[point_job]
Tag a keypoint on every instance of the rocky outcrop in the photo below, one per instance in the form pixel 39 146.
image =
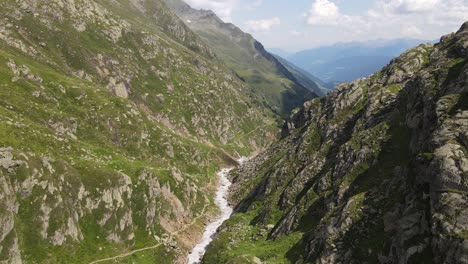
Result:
pixel 9 249
pixel 65 204
pixel 375 172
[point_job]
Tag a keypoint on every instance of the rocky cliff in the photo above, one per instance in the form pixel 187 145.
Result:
pixel 376 172
pixel 114 118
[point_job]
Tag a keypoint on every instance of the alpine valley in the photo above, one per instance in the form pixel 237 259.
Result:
pixel 124 122
pixel 375 172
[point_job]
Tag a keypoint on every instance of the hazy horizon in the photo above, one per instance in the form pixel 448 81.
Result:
pixel 355 42
pixel 304 24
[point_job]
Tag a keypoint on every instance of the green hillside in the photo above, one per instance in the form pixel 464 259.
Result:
pixel 114 118
pixel 267 77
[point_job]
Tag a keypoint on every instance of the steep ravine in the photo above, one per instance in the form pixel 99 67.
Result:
pixel 210 230
pixel 375 172
pixel 225 209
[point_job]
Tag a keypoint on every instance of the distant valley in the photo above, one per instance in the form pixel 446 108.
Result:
pixel 345 62
pixel 278 88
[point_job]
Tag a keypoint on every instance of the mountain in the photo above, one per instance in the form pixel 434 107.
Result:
pixel 375 172
pixel 280 52
pixel 305 78
pixel 345 62
pixel 114 118
pixel 262 72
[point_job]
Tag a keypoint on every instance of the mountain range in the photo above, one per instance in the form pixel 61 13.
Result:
pixel 346 62
pixel 278 87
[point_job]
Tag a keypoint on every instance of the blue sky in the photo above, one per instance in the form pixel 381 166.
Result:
pixel 299 24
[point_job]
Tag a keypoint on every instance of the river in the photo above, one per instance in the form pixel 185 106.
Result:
pixel 210 230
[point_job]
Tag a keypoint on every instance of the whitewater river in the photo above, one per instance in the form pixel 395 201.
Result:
pixel 210 230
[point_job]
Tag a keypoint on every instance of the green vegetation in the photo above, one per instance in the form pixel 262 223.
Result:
pixel 267 78
pixel 100 173
pixel 344 180
pixel 243 239
pixel 456 68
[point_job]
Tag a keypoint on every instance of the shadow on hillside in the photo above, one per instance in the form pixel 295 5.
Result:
pixel 380 183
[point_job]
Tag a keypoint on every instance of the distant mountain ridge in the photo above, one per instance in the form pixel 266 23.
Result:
pixel 269 79
pixel 280 52
pixel 304 77
pixel 345 62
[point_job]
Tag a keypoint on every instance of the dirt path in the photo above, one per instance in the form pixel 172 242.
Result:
pixel 154 246
pixel 200 248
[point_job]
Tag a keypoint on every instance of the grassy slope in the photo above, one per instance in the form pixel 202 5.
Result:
pixel 261 74
pixel 265 76
pixel 105 136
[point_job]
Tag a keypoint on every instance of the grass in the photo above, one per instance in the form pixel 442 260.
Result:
pixel 394 88
pixel 456 68
pixel 386 145
pixel 103 134
pixel 377 161
pixel 461 104
pixel 249 241
pixel 262 75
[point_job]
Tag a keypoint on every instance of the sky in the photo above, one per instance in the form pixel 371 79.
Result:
pixel 294 25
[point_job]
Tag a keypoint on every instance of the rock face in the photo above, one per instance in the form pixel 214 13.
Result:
pixel 114 118
pixel 266 76
pixel 376 172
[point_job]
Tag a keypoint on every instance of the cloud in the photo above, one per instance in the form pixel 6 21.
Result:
pixel 326 13
pixel 392 18
pixel 410 6
pixel 222 8
pixel 296 33
pixel 262 25
pixel 323 9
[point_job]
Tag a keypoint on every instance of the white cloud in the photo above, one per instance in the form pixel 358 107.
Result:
pixel 410 6
pixel 326 13
pixel 263 24
pixel 392 18
pixel 222 8
pixel 323 8
pixel 412 31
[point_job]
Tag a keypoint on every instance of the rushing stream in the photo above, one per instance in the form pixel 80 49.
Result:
pixel 210 230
